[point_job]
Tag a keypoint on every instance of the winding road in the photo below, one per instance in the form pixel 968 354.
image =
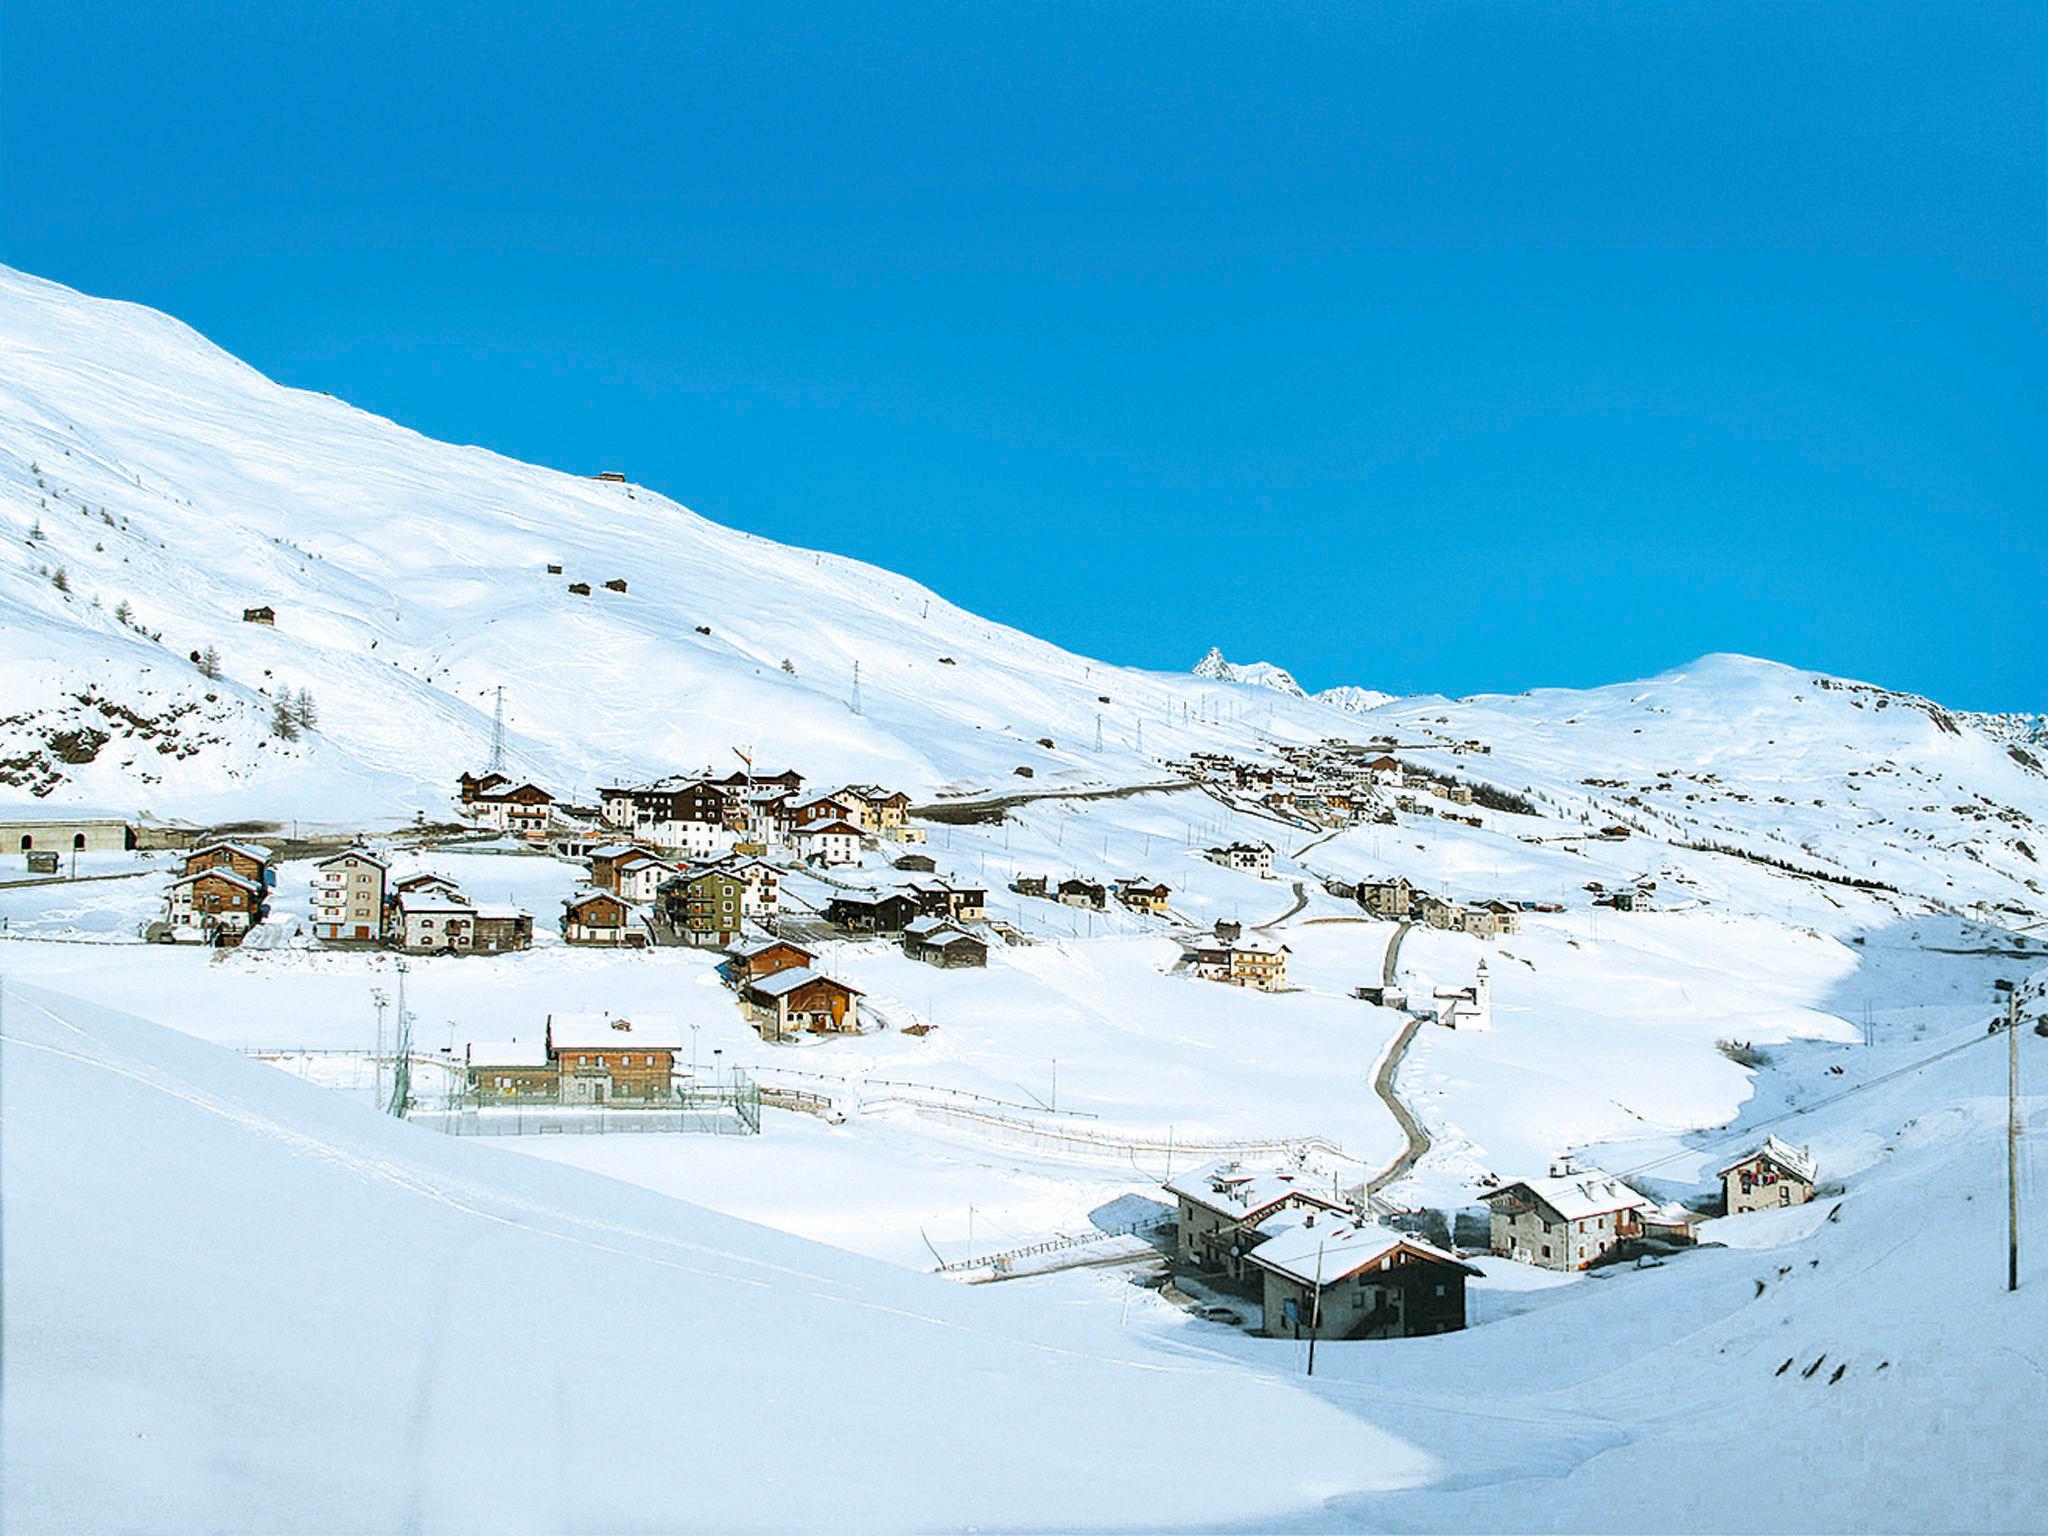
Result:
pixel 1417 1139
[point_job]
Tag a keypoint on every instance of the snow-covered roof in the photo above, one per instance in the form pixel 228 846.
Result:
pixel 507 1053
pixel 1577 1196
pixel 434 900
pixel 247 850
pixel 363 854
pixel 945 936
pixel 1796 1161
pixel 504 912
pixel 220 872
pixel 830 829
pixel 1335 1248
pixel 788 981
pixel 762 946
pixel 1239 1193
pixel 610 1032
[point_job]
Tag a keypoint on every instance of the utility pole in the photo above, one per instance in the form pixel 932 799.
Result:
pixel 498 733
pixel 1315 1314
pixel 401 1066
pixel 2012 1137
pixel 380 1002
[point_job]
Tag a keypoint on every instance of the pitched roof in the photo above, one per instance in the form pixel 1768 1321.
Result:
pixel 1797 1161
pixel 829 829
pixel 1331 1250
pixel 1239 1193
pixel 609 1032
pixel 250 850
pixel 788 981
pixel 220 872
pixel 355 853
pixel 450 900
pixel 762 946
pixel 1577 1196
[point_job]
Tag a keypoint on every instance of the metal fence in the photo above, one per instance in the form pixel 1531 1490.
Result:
pixel 732 1109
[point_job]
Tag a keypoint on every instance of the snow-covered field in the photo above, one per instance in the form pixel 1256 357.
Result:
pixel 238 1300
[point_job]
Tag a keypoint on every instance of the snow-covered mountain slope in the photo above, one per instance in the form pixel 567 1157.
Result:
pixel 175 487
pixel 1354 700
pixel 1843 780
pixel 379 1329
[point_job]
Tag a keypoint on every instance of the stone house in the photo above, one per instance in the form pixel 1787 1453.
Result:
pixel 1221 1203
pixel 1565 1221
pixel 430 919
pixel 1392 898
pixel 1775 1174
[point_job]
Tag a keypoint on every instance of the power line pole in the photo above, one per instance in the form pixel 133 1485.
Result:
pixel 401 1066
pixel 1315 1315
pixel 498 733
pixel 2012 1140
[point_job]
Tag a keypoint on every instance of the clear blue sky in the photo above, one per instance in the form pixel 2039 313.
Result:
pixel 1428 347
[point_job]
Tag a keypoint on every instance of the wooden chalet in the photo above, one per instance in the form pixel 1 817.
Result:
pixel 248 860
pixel 213 905
pixel 510 1072
pixel 871 911
pixel 602 1057
pixel 600 917
pixel 765 957
pixel 1143 896
pixel 935 941
pixel 471 786
pixel 524 809
pixel 804 1001
pixel 960 903
pixel 1333 1277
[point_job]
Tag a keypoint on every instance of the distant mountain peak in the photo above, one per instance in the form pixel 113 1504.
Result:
pixel 1263 674
pixel 1256 674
